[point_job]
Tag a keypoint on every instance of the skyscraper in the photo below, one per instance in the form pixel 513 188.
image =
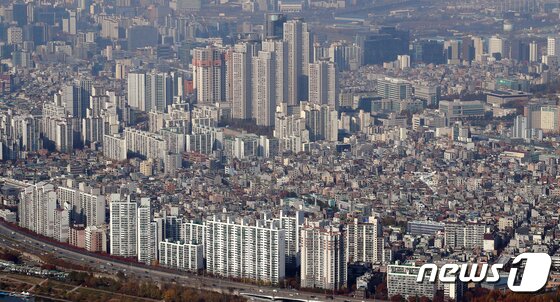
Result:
pixel 299 41
pixel 19 10
pixel 146 234
pixel 137 90
pixel 478 44
pixel 159 91
pixel 323 263
pixel 468 50
pixel 274 25
pixel 553 46
pixel 241 64
pixel 123 226
pixel 323 83
pixel 533 52
pixel 496 46
pixel 209 74
pixel 280 49
pixel 150 91
pixel 264 88
pixel 364 241
pixel 141 36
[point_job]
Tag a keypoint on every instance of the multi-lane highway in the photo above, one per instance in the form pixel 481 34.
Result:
pixel 15 239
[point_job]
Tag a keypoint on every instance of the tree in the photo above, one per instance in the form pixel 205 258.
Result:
pixel 397 298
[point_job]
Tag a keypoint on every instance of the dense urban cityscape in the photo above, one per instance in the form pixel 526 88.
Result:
pixel 276 150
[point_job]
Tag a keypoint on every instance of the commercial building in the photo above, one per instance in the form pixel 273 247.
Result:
pixel 458 109
pixel 424 227
pixel 394 89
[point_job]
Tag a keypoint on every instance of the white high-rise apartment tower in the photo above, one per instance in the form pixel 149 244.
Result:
pixel 323 84
pixel 364 241
pixel 137 90
pixel 242 79
pixel 123 226
pixel 209 74
pixel 240 250
pixel 280 49
pixel 323 263
pixel 299 56
pixel 37 211
pixel 264 88
pixel 146 234
pixel 553 46
pixel 533 52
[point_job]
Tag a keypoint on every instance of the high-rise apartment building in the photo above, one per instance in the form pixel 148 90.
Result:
pixel 323 83
pixel 323 261
pixel 123 226
pixel 290 130
pixel 240 250
pixel 364 241
pixel 280 50
pixel 292 224
pixel 182 256
pixel 464 235
pixel 321 121
pixel 150 91
pixel 209 74
pixel 147 241
pixel 87 205
pixel 136 82
pixel 299 42
pixel 533 52
pixel 40 212
pixel 145 143
pixel 553 46
pixel 264 88
pixel 242 79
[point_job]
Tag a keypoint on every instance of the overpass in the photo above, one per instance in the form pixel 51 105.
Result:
pixel 264 297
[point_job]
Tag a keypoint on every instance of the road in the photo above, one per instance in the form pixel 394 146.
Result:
pixel 15 239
